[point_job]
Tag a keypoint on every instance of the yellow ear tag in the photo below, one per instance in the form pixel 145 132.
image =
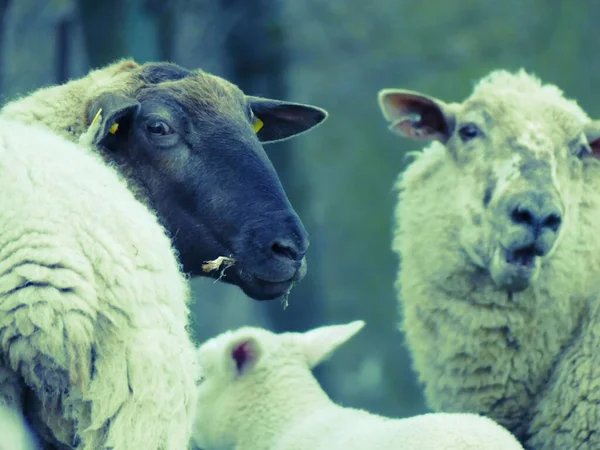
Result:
pixel 257 125
pixel 113 129
pixel 96 117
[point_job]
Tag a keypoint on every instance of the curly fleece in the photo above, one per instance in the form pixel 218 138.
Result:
pixel 525 359
pixel 93 305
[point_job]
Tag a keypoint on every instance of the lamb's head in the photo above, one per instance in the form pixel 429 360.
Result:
pixel 16 432
pixel 191 142
pixel 254 373
pixel 507 166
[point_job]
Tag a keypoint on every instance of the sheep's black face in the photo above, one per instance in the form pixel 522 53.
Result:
pixel 192 142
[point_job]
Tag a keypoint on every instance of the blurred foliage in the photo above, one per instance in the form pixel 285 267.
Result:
pixel 103 45
pixel 336 54
pixel 3 9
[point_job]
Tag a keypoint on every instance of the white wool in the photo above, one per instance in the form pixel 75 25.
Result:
pixel 93 305
pixel 258 393
pixel 15 434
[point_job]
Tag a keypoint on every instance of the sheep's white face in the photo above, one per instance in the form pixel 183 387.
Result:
pixel 520 169
pixel 250 376
pixel 512 172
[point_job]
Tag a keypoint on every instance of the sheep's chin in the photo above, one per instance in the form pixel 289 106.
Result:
pixel 512 276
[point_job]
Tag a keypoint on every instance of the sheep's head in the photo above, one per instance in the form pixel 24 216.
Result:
pixel 510 171
pixel 192 142
pixel 251 372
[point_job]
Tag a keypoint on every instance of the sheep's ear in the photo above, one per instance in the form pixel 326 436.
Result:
pixel 243 354
pixel 115 112
pixel 120 66
pixel 416 115
pixel 592 134
pixel 320 343
pixel 276 120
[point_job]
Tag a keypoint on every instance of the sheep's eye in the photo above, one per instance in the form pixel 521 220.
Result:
pixel 199 380
pixel 159 128
pixel 468 132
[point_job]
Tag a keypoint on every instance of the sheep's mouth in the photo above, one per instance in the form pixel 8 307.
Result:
pixel 514 269
pixel 259 282
pixel 524 257
pixel 269 279
pixel 261 289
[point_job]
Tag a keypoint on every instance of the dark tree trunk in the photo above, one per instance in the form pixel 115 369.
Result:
pixel 4 4
pixel 104 30
pixel 256 60
pixel 62 58
pixel 164 17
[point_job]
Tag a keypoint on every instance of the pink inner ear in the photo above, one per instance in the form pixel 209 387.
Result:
pixel 595 145
pixel 242 354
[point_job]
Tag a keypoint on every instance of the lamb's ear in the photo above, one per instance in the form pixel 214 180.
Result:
pixel 115 111
pixel 277 120
pixel 320 343
pixel 416 115
pixel 592 134
pixel 243 353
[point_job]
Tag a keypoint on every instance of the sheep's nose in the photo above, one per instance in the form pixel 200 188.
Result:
pixel 536 212
pixel 289 248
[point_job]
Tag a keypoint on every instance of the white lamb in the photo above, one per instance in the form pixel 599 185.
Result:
pixel 93 306
pixel 257 392
pixel 15 433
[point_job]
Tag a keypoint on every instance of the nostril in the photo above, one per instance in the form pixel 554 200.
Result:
pixel 286 250
pixel 543 220
pixel 522 216
pixel 552 221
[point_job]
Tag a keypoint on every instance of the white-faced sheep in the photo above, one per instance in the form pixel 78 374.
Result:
pixel 189 145
pixel 15 433
pixel 496 234
pixel 93 304
pixel 257 392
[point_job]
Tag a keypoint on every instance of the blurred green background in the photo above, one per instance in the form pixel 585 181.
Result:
pixel 336 54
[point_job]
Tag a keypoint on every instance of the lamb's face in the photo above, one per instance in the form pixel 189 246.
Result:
pixel 231 385
pixel 516 159
pixel 211 421
pixel 192 141
pixel 251 377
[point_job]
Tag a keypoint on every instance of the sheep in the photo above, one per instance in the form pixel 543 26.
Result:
pixel 189 145
pixel 15 432
pixel 257 392
pixel 495 231
pixel 94 345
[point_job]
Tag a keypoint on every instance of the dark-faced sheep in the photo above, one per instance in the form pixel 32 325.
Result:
pixel 189 144
pixel 496 234
pixel 93 313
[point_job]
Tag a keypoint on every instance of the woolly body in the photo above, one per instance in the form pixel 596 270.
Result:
pixel 258 393
pixel 93 305
pixel 520 356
